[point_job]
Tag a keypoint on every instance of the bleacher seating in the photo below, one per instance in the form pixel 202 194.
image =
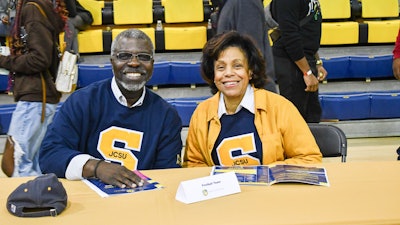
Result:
pixel 165 73
pixel 336 26
pixel 124 13
pixel 358 106
pixel 358 67
pixel 381 19
pixel 3 81
pixel 185 107
pixel 96 8
pixel 6 111
pixel 338 67
pixel 89 73
pixel 161 74
pixel 385 105
pixel 344 106
pixel 184 38
pixel 335 106
pixel 183 11
pixel 91 41
pixel 185 22
pixel 353 23
pixel 371 66
pixel 186 73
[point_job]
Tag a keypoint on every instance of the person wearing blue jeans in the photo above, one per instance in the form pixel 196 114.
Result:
pixel 33 64
pixel 27 131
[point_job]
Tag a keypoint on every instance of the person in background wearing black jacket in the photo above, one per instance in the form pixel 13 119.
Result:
pixel 247 17
pixel 297 64
pixel 78 19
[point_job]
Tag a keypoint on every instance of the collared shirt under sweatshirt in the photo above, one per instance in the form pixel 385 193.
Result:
pixel 284 134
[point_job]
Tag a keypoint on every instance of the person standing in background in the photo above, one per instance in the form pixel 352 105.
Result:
pixel 298 67
pixel 396 68
pixel 247 17
pixel 396 58
pixel 78 19
pixel 7 13
pixel 33 63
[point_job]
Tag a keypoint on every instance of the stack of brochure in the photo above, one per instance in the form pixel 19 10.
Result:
pixel 268 175
pixel 106 190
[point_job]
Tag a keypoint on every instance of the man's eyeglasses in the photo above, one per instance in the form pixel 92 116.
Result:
pixel 127 56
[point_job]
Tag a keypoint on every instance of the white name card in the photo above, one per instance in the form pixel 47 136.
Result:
pixel 209 187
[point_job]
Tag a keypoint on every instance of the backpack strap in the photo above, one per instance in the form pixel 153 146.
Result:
pixel 39 7
pixel 41 74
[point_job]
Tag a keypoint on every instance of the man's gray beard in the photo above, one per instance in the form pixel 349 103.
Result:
pixel 133 87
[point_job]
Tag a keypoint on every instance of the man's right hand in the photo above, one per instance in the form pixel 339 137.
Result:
pixel 396 68
pixel 311 83
pixel 113 174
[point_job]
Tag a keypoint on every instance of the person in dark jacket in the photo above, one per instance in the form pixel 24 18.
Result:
pixel 79 19
pixel 33 64
pixel 298 67
pixel 247 17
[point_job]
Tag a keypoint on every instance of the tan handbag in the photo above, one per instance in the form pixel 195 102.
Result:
pixel 7 161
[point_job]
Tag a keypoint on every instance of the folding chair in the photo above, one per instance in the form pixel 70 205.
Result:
pixel 331 140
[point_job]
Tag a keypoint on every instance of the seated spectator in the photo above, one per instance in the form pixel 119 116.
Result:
pixel 79 19
pixel 243 124
pixel 114 126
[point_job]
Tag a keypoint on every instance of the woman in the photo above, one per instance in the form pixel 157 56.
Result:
pixel 234 15
pixel 243 124
pixel 33 63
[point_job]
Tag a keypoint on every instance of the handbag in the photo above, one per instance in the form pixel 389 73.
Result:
pixel 67 74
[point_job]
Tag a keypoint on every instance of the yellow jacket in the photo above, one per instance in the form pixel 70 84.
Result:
pixel 284 134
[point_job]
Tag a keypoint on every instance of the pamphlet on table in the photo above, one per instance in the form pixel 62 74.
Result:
pixel 106 190
pixel 268 175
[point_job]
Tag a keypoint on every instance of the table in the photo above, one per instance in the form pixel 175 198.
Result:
pixel 359 193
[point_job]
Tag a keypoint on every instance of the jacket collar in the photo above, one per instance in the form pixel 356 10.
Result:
pixel 260 103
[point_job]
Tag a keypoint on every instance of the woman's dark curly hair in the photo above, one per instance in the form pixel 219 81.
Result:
pixel 216 45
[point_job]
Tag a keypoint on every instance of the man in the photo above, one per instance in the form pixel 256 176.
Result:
pixel 297 64
pixel 247 17
pixel 112 127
